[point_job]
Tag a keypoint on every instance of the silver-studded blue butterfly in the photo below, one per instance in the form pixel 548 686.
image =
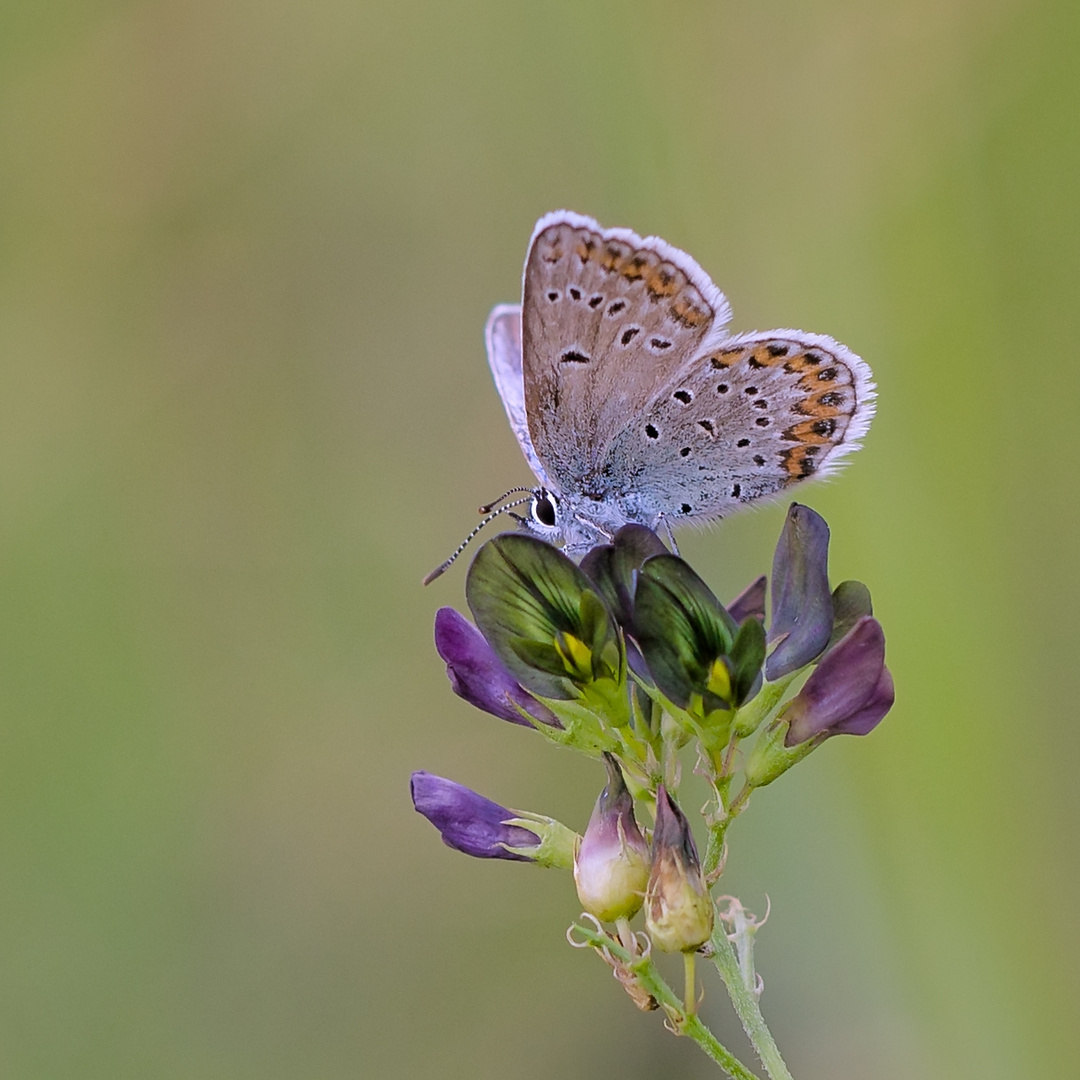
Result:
pixel 632 403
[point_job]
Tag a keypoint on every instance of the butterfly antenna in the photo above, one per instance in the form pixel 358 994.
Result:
pixel 491 505
pixel 443 567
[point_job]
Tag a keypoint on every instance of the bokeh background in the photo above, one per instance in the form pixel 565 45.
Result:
pixel 246 254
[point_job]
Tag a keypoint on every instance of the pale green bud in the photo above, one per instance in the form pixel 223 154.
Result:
pixel 611 866
pixel 678 907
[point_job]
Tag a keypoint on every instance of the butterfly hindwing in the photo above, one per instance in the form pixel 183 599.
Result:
pixel 745 421
pixel 502 336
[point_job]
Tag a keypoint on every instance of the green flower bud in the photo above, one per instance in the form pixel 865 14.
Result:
pixel 698 656
pixel 678 907
pixel 614 567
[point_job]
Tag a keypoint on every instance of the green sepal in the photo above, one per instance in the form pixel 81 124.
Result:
pixel 714 732
pixel 749 718
pixel 678 725
pixel 676 728
pixel 674 718
pixel 770 758
pixel 584 727
pixel 557 842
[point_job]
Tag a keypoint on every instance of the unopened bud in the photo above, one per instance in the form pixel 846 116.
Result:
pixel 472 824
pixel 611 867
pixel 678 907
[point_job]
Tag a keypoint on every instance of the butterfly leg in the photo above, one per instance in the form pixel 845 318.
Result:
pixel 595 528
pixel 670 535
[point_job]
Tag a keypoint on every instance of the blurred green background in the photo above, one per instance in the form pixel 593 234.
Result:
pixel 246 254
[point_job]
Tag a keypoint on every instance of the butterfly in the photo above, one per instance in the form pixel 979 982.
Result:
pixel 633 404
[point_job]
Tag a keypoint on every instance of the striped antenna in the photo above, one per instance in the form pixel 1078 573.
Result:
pixel 443 567
pixel 513 491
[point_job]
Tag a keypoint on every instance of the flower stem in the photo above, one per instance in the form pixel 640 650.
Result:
pixel 693 1028
pixel 728 763
pixel 746 1005
pixel 715 849
pixel 690 991
pixel 680 1018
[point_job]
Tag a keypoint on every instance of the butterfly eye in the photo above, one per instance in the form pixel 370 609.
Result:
pixel 545 509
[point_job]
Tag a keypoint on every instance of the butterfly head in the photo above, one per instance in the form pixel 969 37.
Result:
pixel 544 516
pixel 543 519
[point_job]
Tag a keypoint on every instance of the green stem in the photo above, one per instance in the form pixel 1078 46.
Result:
pixel 744 723
pixel 682 1020
pixel 727 767
pixel 715 848
pixel 690 986
pixel 741 800
pixel 694 1029
pixel 746 1006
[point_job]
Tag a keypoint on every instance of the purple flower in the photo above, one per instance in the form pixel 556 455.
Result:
pixel 477 675
pixel 468 822
pixel 751 601
pixel 802 605
pixel 848 693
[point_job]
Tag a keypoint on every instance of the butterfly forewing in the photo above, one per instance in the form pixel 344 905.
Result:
pixel 742 422
pixel 607 318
